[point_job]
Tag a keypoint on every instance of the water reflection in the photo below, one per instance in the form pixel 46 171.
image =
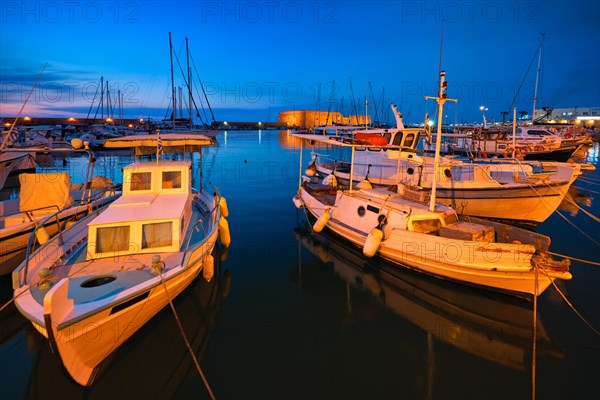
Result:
pixel 574 200
pixel 489 326
pixel 153 363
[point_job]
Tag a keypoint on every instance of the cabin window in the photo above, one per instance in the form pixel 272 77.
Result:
pixel 157 235
pixel 387 136
pixel 171 180
pixel 112 239
pixel 141 181
pixel 426 225
pixel 410 138
pixel 398 139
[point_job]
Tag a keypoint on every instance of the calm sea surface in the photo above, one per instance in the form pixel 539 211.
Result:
pixel 291 315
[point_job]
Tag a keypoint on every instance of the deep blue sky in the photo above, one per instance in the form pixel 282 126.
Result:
pixel 257 58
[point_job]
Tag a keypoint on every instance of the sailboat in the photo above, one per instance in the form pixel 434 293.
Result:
pixel 401 227
pixel 186 125
pixel 92 287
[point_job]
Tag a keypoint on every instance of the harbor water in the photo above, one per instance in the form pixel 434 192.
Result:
pixel 295 315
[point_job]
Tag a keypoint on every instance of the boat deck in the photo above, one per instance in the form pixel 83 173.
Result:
pixel 128 271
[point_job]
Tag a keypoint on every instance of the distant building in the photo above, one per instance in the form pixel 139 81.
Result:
pixel 310 118
pixel 590 116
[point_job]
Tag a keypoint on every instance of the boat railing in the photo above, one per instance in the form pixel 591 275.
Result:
pixel 45 221
pixel 211 216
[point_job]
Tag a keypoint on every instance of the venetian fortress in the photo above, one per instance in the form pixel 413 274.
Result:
pixel 310 118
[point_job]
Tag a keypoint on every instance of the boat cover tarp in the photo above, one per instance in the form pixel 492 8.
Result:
pixel 170 143
pixel 45 190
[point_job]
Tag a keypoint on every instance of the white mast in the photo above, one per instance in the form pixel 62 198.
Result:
pixel 537 77
pixel 172 81
pixel 441 99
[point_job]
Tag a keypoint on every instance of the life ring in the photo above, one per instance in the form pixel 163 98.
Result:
pixel 510 152
pixel 482 154
pixel 539 148
pixel 524 150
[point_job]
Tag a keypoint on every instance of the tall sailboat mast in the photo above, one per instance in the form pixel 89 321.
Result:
pixel 189 71
pixel 537 77
pixel 172 81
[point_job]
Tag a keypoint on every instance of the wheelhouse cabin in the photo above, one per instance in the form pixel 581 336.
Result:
pixel 150 215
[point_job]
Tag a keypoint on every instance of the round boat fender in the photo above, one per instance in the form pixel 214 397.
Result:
pixel 322 221
pixel 224 233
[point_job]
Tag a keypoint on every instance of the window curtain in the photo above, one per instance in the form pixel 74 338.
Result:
pixel 157 235
pixel 114 238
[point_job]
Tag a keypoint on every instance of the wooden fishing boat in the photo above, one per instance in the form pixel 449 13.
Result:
pixel 401 226
pixel 508 190
pixel 93 286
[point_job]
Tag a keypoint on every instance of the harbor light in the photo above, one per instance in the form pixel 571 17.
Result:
pixel 109 120
pixel 71 119
pixel 141 120
pixel 27 119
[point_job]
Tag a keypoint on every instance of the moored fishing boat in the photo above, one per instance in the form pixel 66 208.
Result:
pixel 400 226
pixel 508 190
pixel 92 287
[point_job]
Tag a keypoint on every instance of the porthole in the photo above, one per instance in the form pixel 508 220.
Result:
pixel 447 173
pixel 410 170
pixel 361 211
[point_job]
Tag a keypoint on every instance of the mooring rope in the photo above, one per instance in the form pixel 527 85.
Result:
pixel 187 343
pixel 574 258
pixel 585 189
pixel 589 214
pixel 570 304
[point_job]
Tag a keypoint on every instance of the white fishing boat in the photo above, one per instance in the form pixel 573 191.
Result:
pixel 93 286
pixel 508 190
pixel 399 225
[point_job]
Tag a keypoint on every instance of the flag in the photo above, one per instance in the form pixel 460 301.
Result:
pixel 159 148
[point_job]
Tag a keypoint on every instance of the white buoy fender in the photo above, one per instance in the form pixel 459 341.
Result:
pixel 364 185
pixel 322 221
pixel 298 201
pixel 42 235
pixel 223 207
pixel 372 243
pixel 208 267
pixel 224 234
pixel 330 180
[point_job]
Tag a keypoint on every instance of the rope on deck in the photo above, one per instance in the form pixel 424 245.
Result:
pixel 187 342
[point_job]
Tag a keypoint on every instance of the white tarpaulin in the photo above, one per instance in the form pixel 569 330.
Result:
pixel 45 190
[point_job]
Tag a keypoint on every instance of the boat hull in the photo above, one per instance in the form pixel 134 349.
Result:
pixel 505 267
